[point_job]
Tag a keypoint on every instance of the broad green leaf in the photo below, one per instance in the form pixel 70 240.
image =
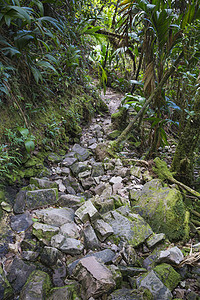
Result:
pixel 24 131
pixel 46 65
pixel 29 145
pixel 23 12
pixel 36 74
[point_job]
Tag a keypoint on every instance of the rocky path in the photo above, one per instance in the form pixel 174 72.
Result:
pixel 97 230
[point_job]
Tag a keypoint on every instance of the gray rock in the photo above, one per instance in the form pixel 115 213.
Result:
pixel 55 216
pixel 54 158
pixel 102 229
pixel 155 239
pixel 39 198
pixel 21 222
pixel 172 255
pixel 65 171
pixel 128 294
pixel 97 170
pixel 117 187
pixel 87 183
pixel 30 255
pixel 71 246
pixel 6 206
pixel 155 286
pixel 136 172
pixel 50 256
pixel 43 183
pixel 37 286
pixel 87 211
pixel 115 180
pixel 132 230
pixel 69 161
pixel 70 230
pixel 20 202
pixel 84 174
pixel 99 189
pixel 18 273
pixel 79 167
pixel 105 256
pixel 71 201
pixel 81 153
pixel 90 238
pixel 94 277
pixel 103 204
pixel 5 287
pixel 44 232
pixel 57 240
pixel 70 291
pixel 61 186
pixel 131 271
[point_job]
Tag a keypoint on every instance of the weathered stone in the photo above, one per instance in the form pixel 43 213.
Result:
pixel 21 222
pixel 90 238
pixel 50 256
pixel 18 273
pixel 69 161
pixel 70 201
pixel 155 286
pixel 136 171
pixel 68 292
pixel 61 186
pixel 132 230
pixel 163 208
pixel 99 189
pixel 20 202
pixel 102 229
pixel 71 246
pixel 117 187
pixel 37 286
pixel 87 211
pixel 169 277
pixel 55 216
pixel 57 240
pixel 97 170
pixel 87 183
pixel 94 277
pixel 117 276
pixel 128 294
pixel 30 255
pixel 44 232
pixel 5 287
pixel 70 230
pixel 38 198
pixel 103 204
pixel 65 171
pixel 79 167
pixel 84 174
pixel 81 153
pixel 155 239
pixel 127 271
pixel 43 183
pixel 115 180
pixel 105 256
pixel 172 255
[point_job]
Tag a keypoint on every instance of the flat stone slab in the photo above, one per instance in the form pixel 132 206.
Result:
pixel 42 197
pixel 71 201
pixel 71 246
pixel 105 256
pixel 155 239
pixel 55 216
pixel 70 230
pixel 132 230
pixel 94 277
pixel 21 222
pixel 43 183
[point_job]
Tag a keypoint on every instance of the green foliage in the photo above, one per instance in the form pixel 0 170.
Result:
pixel 28 139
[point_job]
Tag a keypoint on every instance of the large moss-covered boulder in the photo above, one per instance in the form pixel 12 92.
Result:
pixel 168 275
pixel 119 119
pixel 163 208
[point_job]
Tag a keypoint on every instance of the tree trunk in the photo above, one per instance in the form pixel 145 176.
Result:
pixel 123 136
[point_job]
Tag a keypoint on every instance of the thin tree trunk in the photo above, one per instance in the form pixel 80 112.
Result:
pixel 123 136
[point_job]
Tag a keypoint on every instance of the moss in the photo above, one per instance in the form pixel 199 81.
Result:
pixel 119 119
pixel 34 278
pixel 161 169
pixel 168 275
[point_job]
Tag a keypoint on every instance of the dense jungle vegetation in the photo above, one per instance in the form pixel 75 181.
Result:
pixel 51 51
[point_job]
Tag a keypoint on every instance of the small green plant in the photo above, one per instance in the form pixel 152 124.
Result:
pixel 9 160
pixel 27 138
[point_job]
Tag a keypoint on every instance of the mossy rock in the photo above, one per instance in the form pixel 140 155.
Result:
pixel 119 119
pixel 168 275
pixel 163 208
pixel 114 134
